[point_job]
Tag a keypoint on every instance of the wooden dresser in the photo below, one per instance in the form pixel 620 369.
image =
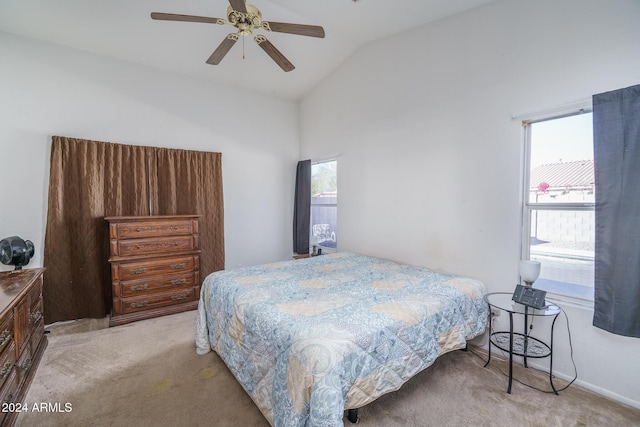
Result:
pixel 155 266
pixel 22 339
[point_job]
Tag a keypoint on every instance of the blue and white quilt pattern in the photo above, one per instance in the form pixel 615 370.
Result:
pixel 310 338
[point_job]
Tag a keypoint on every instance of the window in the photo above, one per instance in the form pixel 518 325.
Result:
pixel 324 205
pixel 559 203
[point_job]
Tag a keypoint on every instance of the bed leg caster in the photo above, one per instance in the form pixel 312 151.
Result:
pixel 352 415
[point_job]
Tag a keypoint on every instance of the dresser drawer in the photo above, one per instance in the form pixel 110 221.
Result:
pixel 9 390
pixel 35 294
pixel 22 325
pixel 36 320
pixel 125 248
pixel 7 360
pixel 6 332
pixel 156 267
pixel 137 230
pixel 35 314
pixel 37 333
pixel 131 305
pixel 24 363
pixel 173 282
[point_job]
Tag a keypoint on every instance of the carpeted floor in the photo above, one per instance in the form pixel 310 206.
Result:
pixel 148 374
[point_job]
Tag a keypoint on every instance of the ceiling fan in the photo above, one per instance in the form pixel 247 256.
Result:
pixel 247 18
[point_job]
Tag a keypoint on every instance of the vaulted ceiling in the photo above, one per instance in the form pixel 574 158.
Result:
pixel 123 29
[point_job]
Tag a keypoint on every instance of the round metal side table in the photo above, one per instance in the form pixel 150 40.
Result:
pixel 521 344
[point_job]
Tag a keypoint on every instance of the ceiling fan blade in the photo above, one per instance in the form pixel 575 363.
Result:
pixel 274 53
pixel 238 5
pixel 299 29
pixel 222 49
pixel 186 18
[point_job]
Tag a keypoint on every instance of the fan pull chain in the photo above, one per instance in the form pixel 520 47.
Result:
pixel 243 47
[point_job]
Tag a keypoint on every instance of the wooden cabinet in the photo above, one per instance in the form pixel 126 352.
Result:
pixel 155 266
pixel 22 339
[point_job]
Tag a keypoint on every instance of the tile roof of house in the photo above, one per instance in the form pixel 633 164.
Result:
pixel 567 174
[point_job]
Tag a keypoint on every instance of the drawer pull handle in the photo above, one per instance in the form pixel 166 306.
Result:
pixel 177 266
pixel 27 364
pixel 35 317
pixel 138 271
pixel 6 368
pixel 4 337
pixel 178 281
pixel 179 297
pixel 139 287
pixel 139 304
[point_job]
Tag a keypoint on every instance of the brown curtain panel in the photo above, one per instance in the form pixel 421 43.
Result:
pixel 190 182
pixel 88 180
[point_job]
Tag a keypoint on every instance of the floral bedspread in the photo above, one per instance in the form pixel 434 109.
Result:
pixel 310 338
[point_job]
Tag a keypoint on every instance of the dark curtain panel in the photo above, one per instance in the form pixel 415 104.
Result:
pixel 190 182
pixel 616 132
pixel 87 181
pixel 302 208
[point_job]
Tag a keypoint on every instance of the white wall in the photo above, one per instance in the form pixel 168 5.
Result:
pixel 422 120
pixel 49 90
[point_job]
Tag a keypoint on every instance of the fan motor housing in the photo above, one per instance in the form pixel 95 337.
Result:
pixel 245 22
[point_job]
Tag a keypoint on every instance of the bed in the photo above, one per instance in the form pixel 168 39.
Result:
pixel 311 338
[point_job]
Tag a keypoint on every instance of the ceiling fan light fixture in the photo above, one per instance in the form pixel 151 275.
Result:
pixel 247 21
pixel 247 18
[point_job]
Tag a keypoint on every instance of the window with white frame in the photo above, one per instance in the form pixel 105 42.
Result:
pixel 324 205
pixel 559 203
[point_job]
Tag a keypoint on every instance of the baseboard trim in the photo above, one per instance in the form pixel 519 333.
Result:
pixel 584 384
pixel 591 387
